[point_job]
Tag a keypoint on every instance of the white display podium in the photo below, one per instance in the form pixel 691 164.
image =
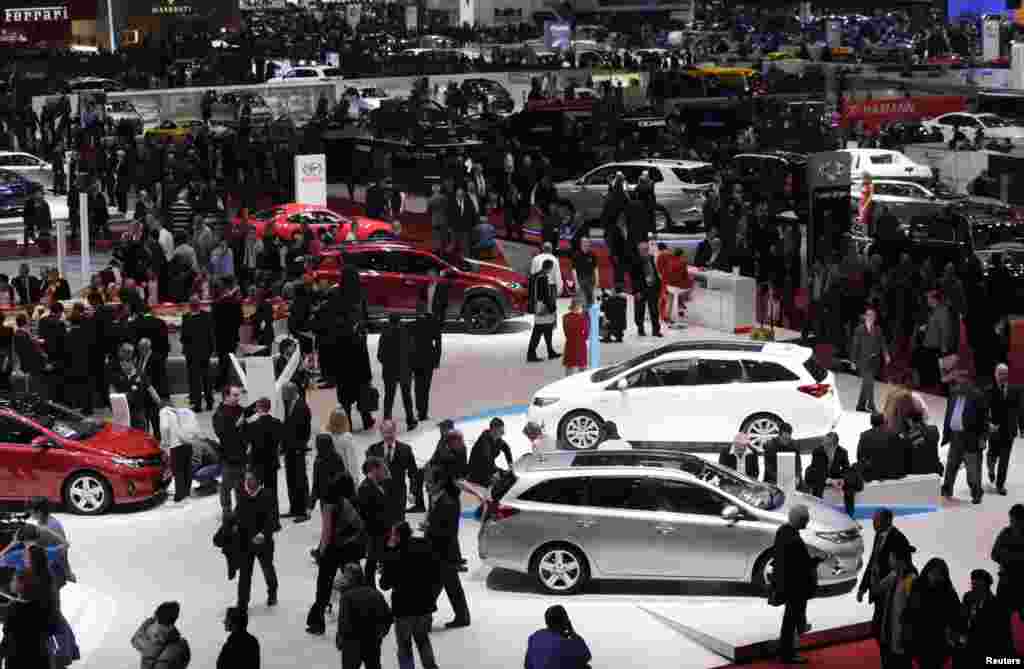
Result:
pixel 721 300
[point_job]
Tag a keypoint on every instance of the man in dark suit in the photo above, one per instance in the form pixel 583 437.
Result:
pixel 227 321
pixel 426 337
pixel 781 444
pixel 33 361
pixel 378 511
pixel 377 200
pixel 53 331
pixel 462 218
pixel 264 434
pixel 401 465
pixel 880 452
pixel 646 290
pixel 740 451
pixel 147 326
pixel 887 539
pixel 794 581
pixel 198 344
pixel 395 353
pixel 298 427
pixel 28 287
pixel 964 429
pixel 1004 403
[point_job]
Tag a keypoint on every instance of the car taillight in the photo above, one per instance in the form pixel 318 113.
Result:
pixel 816 389
pixel 496 511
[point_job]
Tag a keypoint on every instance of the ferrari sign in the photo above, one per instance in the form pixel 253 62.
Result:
pixel 311 179
pixel 36 14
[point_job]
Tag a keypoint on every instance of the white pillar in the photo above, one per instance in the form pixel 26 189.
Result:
pixel 83 236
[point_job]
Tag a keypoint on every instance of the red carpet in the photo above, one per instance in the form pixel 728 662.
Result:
pixel 858 655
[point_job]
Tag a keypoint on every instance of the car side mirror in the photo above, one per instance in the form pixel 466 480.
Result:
pixel 732 514
pixel 623 384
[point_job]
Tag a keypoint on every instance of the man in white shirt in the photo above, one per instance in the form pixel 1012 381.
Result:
pixel 175 441
pixel 164 237
pixel 547 253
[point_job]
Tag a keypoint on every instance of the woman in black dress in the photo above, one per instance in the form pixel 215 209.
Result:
pixel 125 377
pixel 352 357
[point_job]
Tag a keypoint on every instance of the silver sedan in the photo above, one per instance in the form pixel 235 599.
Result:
pixel 31 167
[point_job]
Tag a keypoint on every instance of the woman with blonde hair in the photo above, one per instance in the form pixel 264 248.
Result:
pixel 340 429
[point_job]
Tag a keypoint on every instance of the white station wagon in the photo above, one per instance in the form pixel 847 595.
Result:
pixel 700 392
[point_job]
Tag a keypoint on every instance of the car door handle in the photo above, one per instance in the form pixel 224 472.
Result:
pixel 585 524
pixel 664 530
pixel 409 282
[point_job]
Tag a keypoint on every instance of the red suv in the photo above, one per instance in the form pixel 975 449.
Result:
pixel 396 278
pixel 47 450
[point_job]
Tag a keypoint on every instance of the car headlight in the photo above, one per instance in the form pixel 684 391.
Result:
pixel 512 285
pixel 544 401
pixel 843 537
pixel 129 462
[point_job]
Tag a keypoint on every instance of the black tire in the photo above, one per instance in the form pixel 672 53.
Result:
pixel 88 494
pixel 580 430
pixel 482 315
pixel 764 565
pixel 575 569
pixel 663 220
pixel 755 428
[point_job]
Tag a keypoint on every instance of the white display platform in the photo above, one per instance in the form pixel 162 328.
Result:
pixel 721 300
pixel 918 490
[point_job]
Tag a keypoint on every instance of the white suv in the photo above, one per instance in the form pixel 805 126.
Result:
pixel 698 393
pixel 308 73
pixel 679 187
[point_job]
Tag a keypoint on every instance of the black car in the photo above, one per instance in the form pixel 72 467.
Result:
pixel 14 192
pixel 900 134
pixel 1013 259
pixel 480 92
pixel 416 121
pixel 947 232
pixel 768 172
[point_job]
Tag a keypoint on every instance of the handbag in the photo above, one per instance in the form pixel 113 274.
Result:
pixel 369 399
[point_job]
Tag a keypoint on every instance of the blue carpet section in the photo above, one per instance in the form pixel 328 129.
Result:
pixel 517 410
pixel 866 511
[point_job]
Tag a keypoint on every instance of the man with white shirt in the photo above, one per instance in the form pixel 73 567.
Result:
pixel 547 253
pixel 964 430
pixel 176 443
pixel 164 237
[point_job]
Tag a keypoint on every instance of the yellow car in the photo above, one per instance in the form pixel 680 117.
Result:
pixel 171 131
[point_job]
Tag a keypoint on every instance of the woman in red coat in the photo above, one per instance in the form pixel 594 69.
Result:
pixel 576 325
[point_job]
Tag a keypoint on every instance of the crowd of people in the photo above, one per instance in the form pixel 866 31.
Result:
pixel 919 618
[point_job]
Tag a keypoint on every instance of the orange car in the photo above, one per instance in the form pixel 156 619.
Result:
pixel 287 219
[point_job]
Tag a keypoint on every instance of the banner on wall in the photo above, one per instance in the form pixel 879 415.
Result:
pixel 889 110
pixel 311 179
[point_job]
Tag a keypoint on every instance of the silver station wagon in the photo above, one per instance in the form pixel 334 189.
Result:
pixel 567 517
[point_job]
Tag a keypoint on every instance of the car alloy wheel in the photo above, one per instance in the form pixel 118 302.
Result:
pixel 762 429
pixel 581 430
pixel 560 570
pixel 764 571
pixel 482 316
pixel 88 494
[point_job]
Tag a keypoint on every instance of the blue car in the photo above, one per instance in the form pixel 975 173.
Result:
pixel 14 191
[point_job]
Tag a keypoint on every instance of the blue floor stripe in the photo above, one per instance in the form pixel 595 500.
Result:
pixel 516 410
pixel 865 512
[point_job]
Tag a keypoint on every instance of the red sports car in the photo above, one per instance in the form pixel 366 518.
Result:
pixel 48 450
pixel 287 219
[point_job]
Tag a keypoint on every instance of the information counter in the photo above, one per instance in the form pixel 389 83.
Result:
pixel 721 300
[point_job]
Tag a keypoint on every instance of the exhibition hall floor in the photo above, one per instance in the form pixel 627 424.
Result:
pixel 133 559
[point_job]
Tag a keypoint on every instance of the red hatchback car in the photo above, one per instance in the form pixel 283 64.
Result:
pixel 47 450
pixel 287 219
pixel 397 276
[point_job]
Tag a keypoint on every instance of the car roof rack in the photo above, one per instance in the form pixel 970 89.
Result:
pixel 737 346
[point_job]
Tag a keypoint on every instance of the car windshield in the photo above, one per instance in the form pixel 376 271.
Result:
pixel 67 423
pixel 695 175
pixel 761 495
pixel 612 371
pixel 995 122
